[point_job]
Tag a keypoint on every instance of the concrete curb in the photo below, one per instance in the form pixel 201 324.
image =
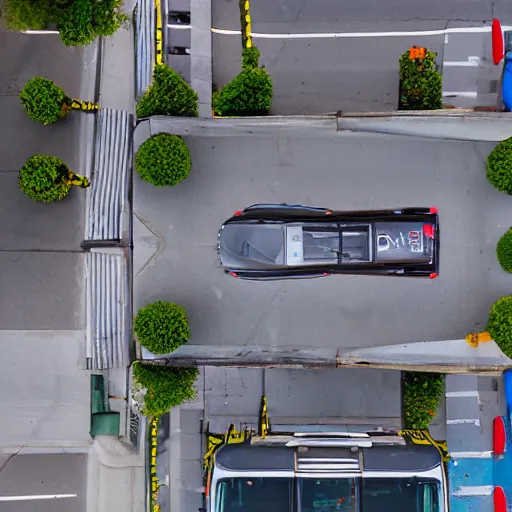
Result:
pixel 201 54
pixel 448 356
pixel 467 126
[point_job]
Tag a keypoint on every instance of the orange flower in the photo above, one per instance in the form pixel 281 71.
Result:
pixel 417 53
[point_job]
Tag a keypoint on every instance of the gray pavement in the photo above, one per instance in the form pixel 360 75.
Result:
pixel 175 241
pixel 45 403
pixel 36 475
pixel 39 243
pixel 313 76
pixel 45 406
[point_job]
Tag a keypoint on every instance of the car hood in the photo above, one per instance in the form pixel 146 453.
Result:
pixel 251 245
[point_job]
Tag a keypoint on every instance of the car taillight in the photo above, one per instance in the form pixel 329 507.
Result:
pixel 500 501
pixel 499 440
pixel 237 213
pixel 433 209
pixel 233 274
pixel 428 231
pixel 433 275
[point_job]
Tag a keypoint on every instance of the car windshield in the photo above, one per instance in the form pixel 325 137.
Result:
pixel 269 494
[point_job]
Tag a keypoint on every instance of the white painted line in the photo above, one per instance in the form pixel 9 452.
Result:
pixel 461 64
pixel 460 394
pixel 179 27
pixel 339 35
pixel 40 32
pixel 471 455
pixel 474 490
pixel 37 497
pixel 475 422
pixel 461 94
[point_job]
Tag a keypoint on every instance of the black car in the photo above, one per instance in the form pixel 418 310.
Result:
pixel 280 241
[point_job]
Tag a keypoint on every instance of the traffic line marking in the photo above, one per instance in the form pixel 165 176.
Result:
pixel 464 422
pixel 340 35
pixel 460 394
pixel 474 490
pixel 462 94
pixel 37 497
pixel 471 455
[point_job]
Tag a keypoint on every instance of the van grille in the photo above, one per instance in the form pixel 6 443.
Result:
pixel 327 464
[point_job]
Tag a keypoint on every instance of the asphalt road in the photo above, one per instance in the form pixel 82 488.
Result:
pixel 312 76
pixel 37 475
pixel 39 243
pixel 176 260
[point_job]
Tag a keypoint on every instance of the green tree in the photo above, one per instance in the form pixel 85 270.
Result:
pixel 79 21
pixel 499 166
pixel 168 95
pixel 250 57
pixel 47 179
pixel 167 386
pixel 163 160
pixel 249 93
pixel 499 324
pixel 504 251
pixel 46 103
pixel 25 14
pixel 162 327
pixel 421 86
pixel 422 393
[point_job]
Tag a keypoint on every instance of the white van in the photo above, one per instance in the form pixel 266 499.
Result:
pixel 328 472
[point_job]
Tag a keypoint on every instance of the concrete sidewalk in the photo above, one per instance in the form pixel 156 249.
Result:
pixel 116 479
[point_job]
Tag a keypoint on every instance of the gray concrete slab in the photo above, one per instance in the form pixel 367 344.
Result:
pixel 41 290
pixel 342 312
pixel 267 14
pixel 45 475
pixel 233 392
pixel 47 403
pixel 38 226
pixel 334 396
pixel 23 57
pixel 22 137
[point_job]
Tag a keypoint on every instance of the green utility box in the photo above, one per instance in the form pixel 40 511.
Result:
pixel 103 420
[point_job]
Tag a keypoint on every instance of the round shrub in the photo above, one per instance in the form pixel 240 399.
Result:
pixel 43 100
pixel 499 166
pixel 504 251
pixel 248 94
pixel 163 160
pixel 169 95
pixel 162 327
pixel 45 178
pixel 499 324
pixel 167 386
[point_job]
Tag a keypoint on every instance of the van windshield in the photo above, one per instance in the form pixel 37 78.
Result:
pixel 399 495
pixel 269 494
pixel 257 494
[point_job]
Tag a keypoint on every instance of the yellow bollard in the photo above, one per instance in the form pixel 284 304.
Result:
pixel 473 339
